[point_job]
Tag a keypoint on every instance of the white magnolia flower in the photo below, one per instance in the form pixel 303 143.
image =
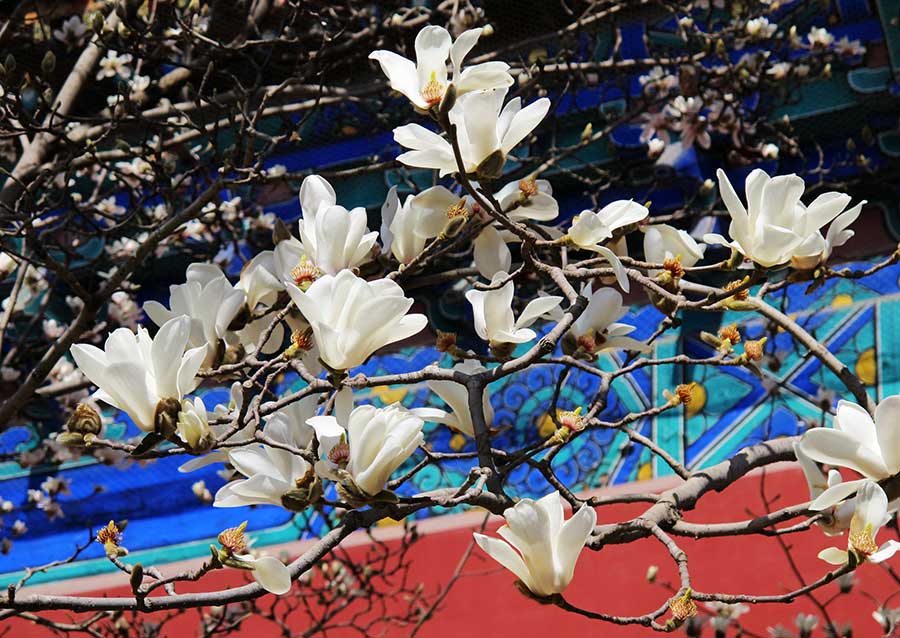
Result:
pixel 269 572
pixel 425 81
pixel 134 372
pixel 486 131
pixel 494 319
pixel 819 38
pixel 528 198
pixel 775 225
pixel 540 548
pixel 193 424
pixel 816 250
pixel 869 447
pixel 837 517
pixel 331 237
pixel 208 300
pixel 596 329
pixel 491 253
pixel 760 28
pixel 113 64
pixel 375 442
pixel 589 228
pixel 456 396
pixel 260 280
pixel 71 32
pixel 272 475
pixel 662 242
pixel 870 515
pixel 273 575
pixel 351 318
pixel 398 228
pixel 438 210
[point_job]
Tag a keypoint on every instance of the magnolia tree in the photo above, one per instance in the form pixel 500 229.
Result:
pixel 109 177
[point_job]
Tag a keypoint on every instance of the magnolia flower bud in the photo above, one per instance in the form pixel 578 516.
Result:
pixel 84 420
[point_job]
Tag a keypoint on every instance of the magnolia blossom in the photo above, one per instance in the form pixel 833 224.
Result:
pixel 425 82
pixel 816 250
pixel 456 396
pixel 486 132
pixel 331 237
pixel 260 281
pixel 869 447
pixel 375 442
pixel 207 300
pixel 134 373
pixel 351 318
pixel 596 329
pixel 494 320
pixel 273 575
pixel 540 548
pixel 776 225
pixel 272 475
pixel 837 518
pixel 398 228
pixel 663 242
pixel 192 426
pixel 491 253
pixel 870 515
pixel 528 198
pixel 438 211
pixel 760 28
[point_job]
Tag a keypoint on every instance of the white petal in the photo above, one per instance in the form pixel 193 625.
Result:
pixel 840 448
pixel 523 123
pixel 491 253
pixel 887 429
pixel 506 556
pixel 272 574
pixel 834 556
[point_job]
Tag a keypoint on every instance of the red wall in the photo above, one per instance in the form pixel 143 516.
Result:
pixel 613 580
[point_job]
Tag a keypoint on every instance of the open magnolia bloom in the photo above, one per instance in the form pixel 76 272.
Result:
pixel 375 442
pixel 145 378
pixel 192 426
pixel 486 132
pixel 273 475
pixel 260 280
pixel 590 228
pixel 775 226
pixel 816 250
pixel 870 514
pixel 398 228
pixel 540 548
pixel 528 198
pixel 664 243
pixel 351 318
pixel 456 396
pixel 869 447
pixel 208 301
pixel 837 517
pixel 331 237
pixel 272 575
pixel 596 330
pixel 425 82
pixel 439 211
pixel 491 253
pixel 494 319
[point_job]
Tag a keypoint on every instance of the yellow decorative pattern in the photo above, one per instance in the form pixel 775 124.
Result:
pixel 867 367
pixel 697 402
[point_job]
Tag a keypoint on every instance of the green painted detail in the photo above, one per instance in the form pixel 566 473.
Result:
pixel 889 143
pixel 869 80
pixel 889 10
pixel 817 98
